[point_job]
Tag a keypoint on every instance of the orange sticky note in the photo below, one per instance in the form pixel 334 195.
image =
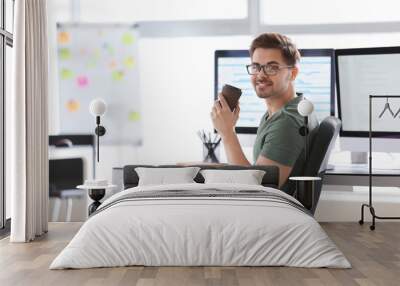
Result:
pixel 72 105
pixel 63 37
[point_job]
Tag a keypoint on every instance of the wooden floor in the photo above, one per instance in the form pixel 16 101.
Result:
pixel 375 257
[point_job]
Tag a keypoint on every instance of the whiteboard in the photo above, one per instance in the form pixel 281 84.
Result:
pixel 99 61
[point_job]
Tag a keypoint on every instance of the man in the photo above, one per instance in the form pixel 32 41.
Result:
pixel 273 70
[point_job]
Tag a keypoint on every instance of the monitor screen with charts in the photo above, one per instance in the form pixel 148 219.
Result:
pixel 315 81
pixel 364 72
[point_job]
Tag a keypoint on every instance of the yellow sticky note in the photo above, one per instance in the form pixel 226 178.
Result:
pixel 64 53
pixel 134 116
pixel 66 74
pixel 117 75
pixel 127 38
pixel 129 62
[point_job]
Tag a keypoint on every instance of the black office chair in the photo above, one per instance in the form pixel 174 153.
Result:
pixel 64 175
pixel 322 140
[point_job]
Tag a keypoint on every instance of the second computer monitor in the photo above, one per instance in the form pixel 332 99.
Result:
pixel 361 73
pixel 315 81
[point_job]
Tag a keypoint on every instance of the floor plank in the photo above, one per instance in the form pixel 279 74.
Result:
pixel 374 255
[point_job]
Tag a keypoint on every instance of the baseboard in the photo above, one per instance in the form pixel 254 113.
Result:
pixel 346 206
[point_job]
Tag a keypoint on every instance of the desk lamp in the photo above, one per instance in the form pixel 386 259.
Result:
pixel 97 188
pixel 305 186
pixel 305 108
pixel 97 108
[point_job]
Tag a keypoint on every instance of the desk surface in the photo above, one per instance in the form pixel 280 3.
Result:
pixel 353 175
pixel 348 170
pixel 360 170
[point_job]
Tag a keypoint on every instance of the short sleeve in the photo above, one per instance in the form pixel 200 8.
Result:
pixel 283 143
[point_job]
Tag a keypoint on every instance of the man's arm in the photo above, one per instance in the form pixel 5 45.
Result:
pixel 284 171
pixel 233 150
pixel 236 156
pixel 224 120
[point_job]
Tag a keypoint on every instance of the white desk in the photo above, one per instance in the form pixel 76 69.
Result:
pixel 340 176
pixel 354 175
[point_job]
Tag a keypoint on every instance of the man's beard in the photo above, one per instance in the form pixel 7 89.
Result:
pixel 271 90
pixel 265 94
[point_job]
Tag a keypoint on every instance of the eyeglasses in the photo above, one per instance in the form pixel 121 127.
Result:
pixel 268 69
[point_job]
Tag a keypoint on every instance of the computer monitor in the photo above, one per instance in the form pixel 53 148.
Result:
pixel 360 73
pixel 315 81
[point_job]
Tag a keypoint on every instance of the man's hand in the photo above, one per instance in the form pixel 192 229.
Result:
pixel 224 120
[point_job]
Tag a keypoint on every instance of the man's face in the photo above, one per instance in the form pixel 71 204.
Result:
pixel 267 86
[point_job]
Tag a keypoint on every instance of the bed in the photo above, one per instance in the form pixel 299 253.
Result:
pixel 200 224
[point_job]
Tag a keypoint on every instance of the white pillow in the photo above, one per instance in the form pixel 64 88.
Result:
pixel 164 176
pixel 248 177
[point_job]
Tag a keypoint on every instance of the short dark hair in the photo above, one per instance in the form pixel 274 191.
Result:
pixel 290 53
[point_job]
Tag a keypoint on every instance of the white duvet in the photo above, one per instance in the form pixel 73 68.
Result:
pixel 200 231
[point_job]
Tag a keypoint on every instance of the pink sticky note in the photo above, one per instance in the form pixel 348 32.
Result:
pixel 82 81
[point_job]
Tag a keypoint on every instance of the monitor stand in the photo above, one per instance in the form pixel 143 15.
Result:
pixel 359 157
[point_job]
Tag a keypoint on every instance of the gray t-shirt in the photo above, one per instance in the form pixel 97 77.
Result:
pixel 278 136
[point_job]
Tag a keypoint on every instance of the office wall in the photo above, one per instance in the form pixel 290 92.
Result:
pixel 176 89
pixel 176 86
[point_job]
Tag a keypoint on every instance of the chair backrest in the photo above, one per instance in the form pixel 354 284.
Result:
pixel 64 174
pixel 321 145
pixel 322 140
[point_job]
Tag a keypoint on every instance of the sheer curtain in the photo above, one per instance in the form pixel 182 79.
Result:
pixel 28 123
